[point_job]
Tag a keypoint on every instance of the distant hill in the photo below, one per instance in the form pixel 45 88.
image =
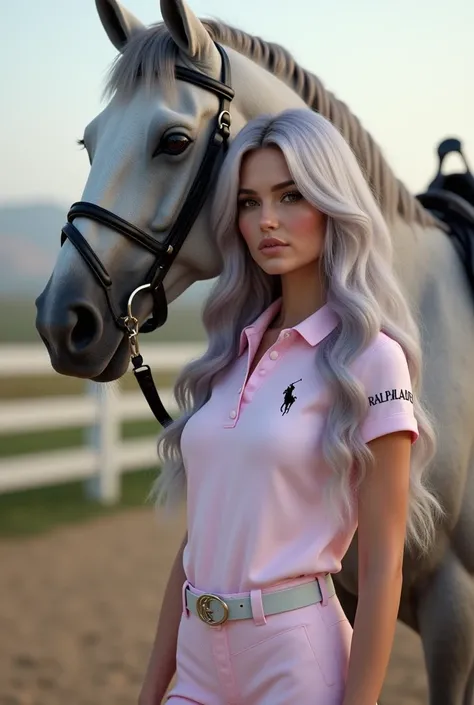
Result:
pixel 29 243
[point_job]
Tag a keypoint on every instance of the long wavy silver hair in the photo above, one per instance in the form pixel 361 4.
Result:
pixel 360 286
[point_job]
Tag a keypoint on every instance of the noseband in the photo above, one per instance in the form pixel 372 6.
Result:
pixel 165 252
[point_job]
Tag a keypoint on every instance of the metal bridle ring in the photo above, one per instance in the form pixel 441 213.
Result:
pixel 131 297
pixel 220 121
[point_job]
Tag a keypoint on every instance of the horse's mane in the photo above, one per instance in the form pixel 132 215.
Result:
pixel 152 53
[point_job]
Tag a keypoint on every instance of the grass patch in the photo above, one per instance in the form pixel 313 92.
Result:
pixel 61 438
pixel 17 323
pixel 39 386
pixel 40 441
pixel 58 385
pixel 39 510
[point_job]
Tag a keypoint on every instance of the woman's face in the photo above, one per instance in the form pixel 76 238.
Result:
pixel 271 210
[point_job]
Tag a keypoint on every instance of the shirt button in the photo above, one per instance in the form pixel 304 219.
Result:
pixel 233 414
pixel 286 334
pixel 273 355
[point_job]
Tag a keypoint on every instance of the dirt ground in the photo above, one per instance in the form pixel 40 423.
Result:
pixel 78 609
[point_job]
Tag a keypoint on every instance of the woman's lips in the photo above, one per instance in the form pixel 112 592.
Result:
pixel 271 242
pixel 271 246
pixel 272 249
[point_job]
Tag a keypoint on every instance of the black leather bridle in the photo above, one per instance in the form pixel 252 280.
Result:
pixel 165 252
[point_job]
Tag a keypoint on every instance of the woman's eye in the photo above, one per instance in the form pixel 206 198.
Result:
pixel 292 197
pixel 174 144
pixel 247 203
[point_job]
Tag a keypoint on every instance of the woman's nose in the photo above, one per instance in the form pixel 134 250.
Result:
pixel 268 220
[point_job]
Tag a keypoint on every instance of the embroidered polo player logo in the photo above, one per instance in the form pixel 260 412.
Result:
pixel 289 398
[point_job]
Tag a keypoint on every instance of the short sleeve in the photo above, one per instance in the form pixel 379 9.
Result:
pixel 386 380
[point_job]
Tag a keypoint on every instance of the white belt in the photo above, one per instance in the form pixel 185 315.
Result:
pixel 215 610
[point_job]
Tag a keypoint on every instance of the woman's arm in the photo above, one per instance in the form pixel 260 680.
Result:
pixel 162 662
pixel 382 509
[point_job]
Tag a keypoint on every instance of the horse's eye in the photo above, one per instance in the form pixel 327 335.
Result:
pixel 174 144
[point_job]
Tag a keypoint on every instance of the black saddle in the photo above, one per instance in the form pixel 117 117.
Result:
pixel 450 198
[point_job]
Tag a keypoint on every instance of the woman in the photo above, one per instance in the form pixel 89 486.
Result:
pixel 297 428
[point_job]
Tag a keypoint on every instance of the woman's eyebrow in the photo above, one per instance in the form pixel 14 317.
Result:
pixel 277 187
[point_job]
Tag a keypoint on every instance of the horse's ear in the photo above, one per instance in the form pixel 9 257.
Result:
pixel 188 32
pixel 118 22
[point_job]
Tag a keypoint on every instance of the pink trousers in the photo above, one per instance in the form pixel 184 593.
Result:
pixel 293 658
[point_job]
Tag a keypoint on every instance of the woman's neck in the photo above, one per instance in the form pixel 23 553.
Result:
pixel 302 294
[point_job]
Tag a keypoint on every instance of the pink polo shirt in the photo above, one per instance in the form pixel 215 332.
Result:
pixel 253 464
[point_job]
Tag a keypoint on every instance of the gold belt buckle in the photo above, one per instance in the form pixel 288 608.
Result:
pixel 204 610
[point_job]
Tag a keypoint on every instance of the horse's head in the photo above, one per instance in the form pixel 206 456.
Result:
pixel 145 150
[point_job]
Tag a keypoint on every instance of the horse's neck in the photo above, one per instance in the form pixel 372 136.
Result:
pixel 257 91
pixel 421 256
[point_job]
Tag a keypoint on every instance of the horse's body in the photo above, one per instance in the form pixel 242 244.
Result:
pixel 438 591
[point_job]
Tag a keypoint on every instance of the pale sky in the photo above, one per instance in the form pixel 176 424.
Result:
pixel 405 68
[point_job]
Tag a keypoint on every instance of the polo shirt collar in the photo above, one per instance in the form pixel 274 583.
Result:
pixel 318 326
pixel 260 325
pixel 313 329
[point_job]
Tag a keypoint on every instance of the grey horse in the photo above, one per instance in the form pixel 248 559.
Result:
pixel 83 341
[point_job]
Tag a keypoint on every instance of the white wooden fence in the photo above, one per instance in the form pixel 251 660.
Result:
pixel 101 409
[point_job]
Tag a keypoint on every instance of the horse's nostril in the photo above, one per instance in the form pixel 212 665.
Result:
pixel 86 329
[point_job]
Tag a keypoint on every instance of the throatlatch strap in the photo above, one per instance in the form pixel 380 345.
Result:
pixel 147 385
